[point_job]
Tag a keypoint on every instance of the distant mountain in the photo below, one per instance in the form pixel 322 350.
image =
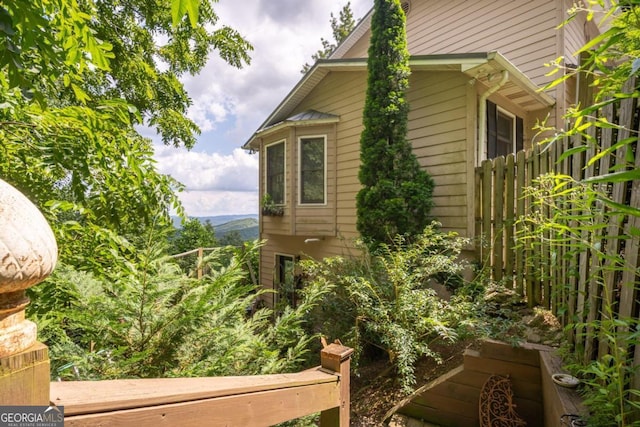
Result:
pixel 215 220
pixel 237 224
pixel 245 225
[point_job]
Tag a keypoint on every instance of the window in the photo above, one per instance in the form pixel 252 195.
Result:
pixel 504 132
pixel 275 172
pixel 286 282
pixel 312 170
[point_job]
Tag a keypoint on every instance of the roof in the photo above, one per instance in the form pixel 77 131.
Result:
pixel 356 34
pixel 306 118
pixel 481 67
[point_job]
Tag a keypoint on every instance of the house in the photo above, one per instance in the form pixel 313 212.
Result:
pixel 477 68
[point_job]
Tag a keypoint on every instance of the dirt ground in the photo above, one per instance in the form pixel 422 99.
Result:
pixel 375 391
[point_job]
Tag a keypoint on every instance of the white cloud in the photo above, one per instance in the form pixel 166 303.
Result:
pixel 215 184
pixel 284 34
pixel 210 203
pixel 203 171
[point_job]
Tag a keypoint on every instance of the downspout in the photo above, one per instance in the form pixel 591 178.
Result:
pixel 482 112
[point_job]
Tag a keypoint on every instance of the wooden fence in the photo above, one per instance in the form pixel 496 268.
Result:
pixel 579 275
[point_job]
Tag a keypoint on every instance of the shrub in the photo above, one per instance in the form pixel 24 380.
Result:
pixel 385 301
pixel 147 319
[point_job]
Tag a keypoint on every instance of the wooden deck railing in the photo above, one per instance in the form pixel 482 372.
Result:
pixel 215 401
pixel 248 401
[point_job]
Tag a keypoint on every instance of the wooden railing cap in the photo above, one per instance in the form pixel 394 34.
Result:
pixel 336 351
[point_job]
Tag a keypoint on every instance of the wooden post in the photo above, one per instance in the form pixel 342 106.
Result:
pixel 337 358
pixel 200 257
pixel 28 253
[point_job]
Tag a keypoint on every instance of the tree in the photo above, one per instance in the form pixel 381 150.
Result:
pixel 232 238
pixel 396 193
pixel 91 51
pixel 192 235
pixel 147 319
pixel 341 28
pixel 94 71
pixel 150 55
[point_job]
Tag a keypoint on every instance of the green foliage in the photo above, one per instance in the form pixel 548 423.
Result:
pixel 192 235
pixel 150 54
pixel 92 176
pixel 608 62
pixel 578 225
pixel 582 211
pixel 146 319
pixel 97 70
pixel 386 300
pixel 269 208
pixel 65 51
pixel 396 193
pixel 44 41
pixel 232 238
pixel 341 28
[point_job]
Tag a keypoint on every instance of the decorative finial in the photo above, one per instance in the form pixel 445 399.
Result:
pixel 28 254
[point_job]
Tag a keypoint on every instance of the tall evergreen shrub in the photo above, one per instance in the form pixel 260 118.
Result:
pixel 396 193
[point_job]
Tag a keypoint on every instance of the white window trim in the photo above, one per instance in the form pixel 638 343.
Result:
pixel 324 138
pixel 266 161
pixel 484 150
pixel 513 118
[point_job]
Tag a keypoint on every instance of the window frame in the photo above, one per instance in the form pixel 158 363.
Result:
pixel 491 137
pixel 284 170
pixel 324 170
pixel 280 280
pixel 513 118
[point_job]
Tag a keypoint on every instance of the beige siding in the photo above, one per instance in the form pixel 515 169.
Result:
pixel 359 50
pixel 343 94
pixel 442 120
pixel 574 36
pixel 317 220
pixel 296 247
pixel 438 133
pixel 522 30
pixel 300 219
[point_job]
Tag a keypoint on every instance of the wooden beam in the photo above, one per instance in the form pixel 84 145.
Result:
pixel 557 400
pixel 255 409
pixel 85 397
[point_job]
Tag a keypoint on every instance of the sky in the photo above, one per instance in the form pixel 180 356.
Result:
pixel 229 104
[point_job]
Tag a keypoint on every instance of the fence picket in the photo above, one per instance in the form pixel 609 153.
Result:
pixel 487 176
pixel 520 212
pixel 509 219
pixel 550 271
pixel 498 209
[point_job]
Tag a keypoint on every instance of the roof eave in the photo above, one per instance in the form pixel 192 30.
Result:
pixel 254 142
pixel 356 34
pixel 471 64
pixel 522 80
